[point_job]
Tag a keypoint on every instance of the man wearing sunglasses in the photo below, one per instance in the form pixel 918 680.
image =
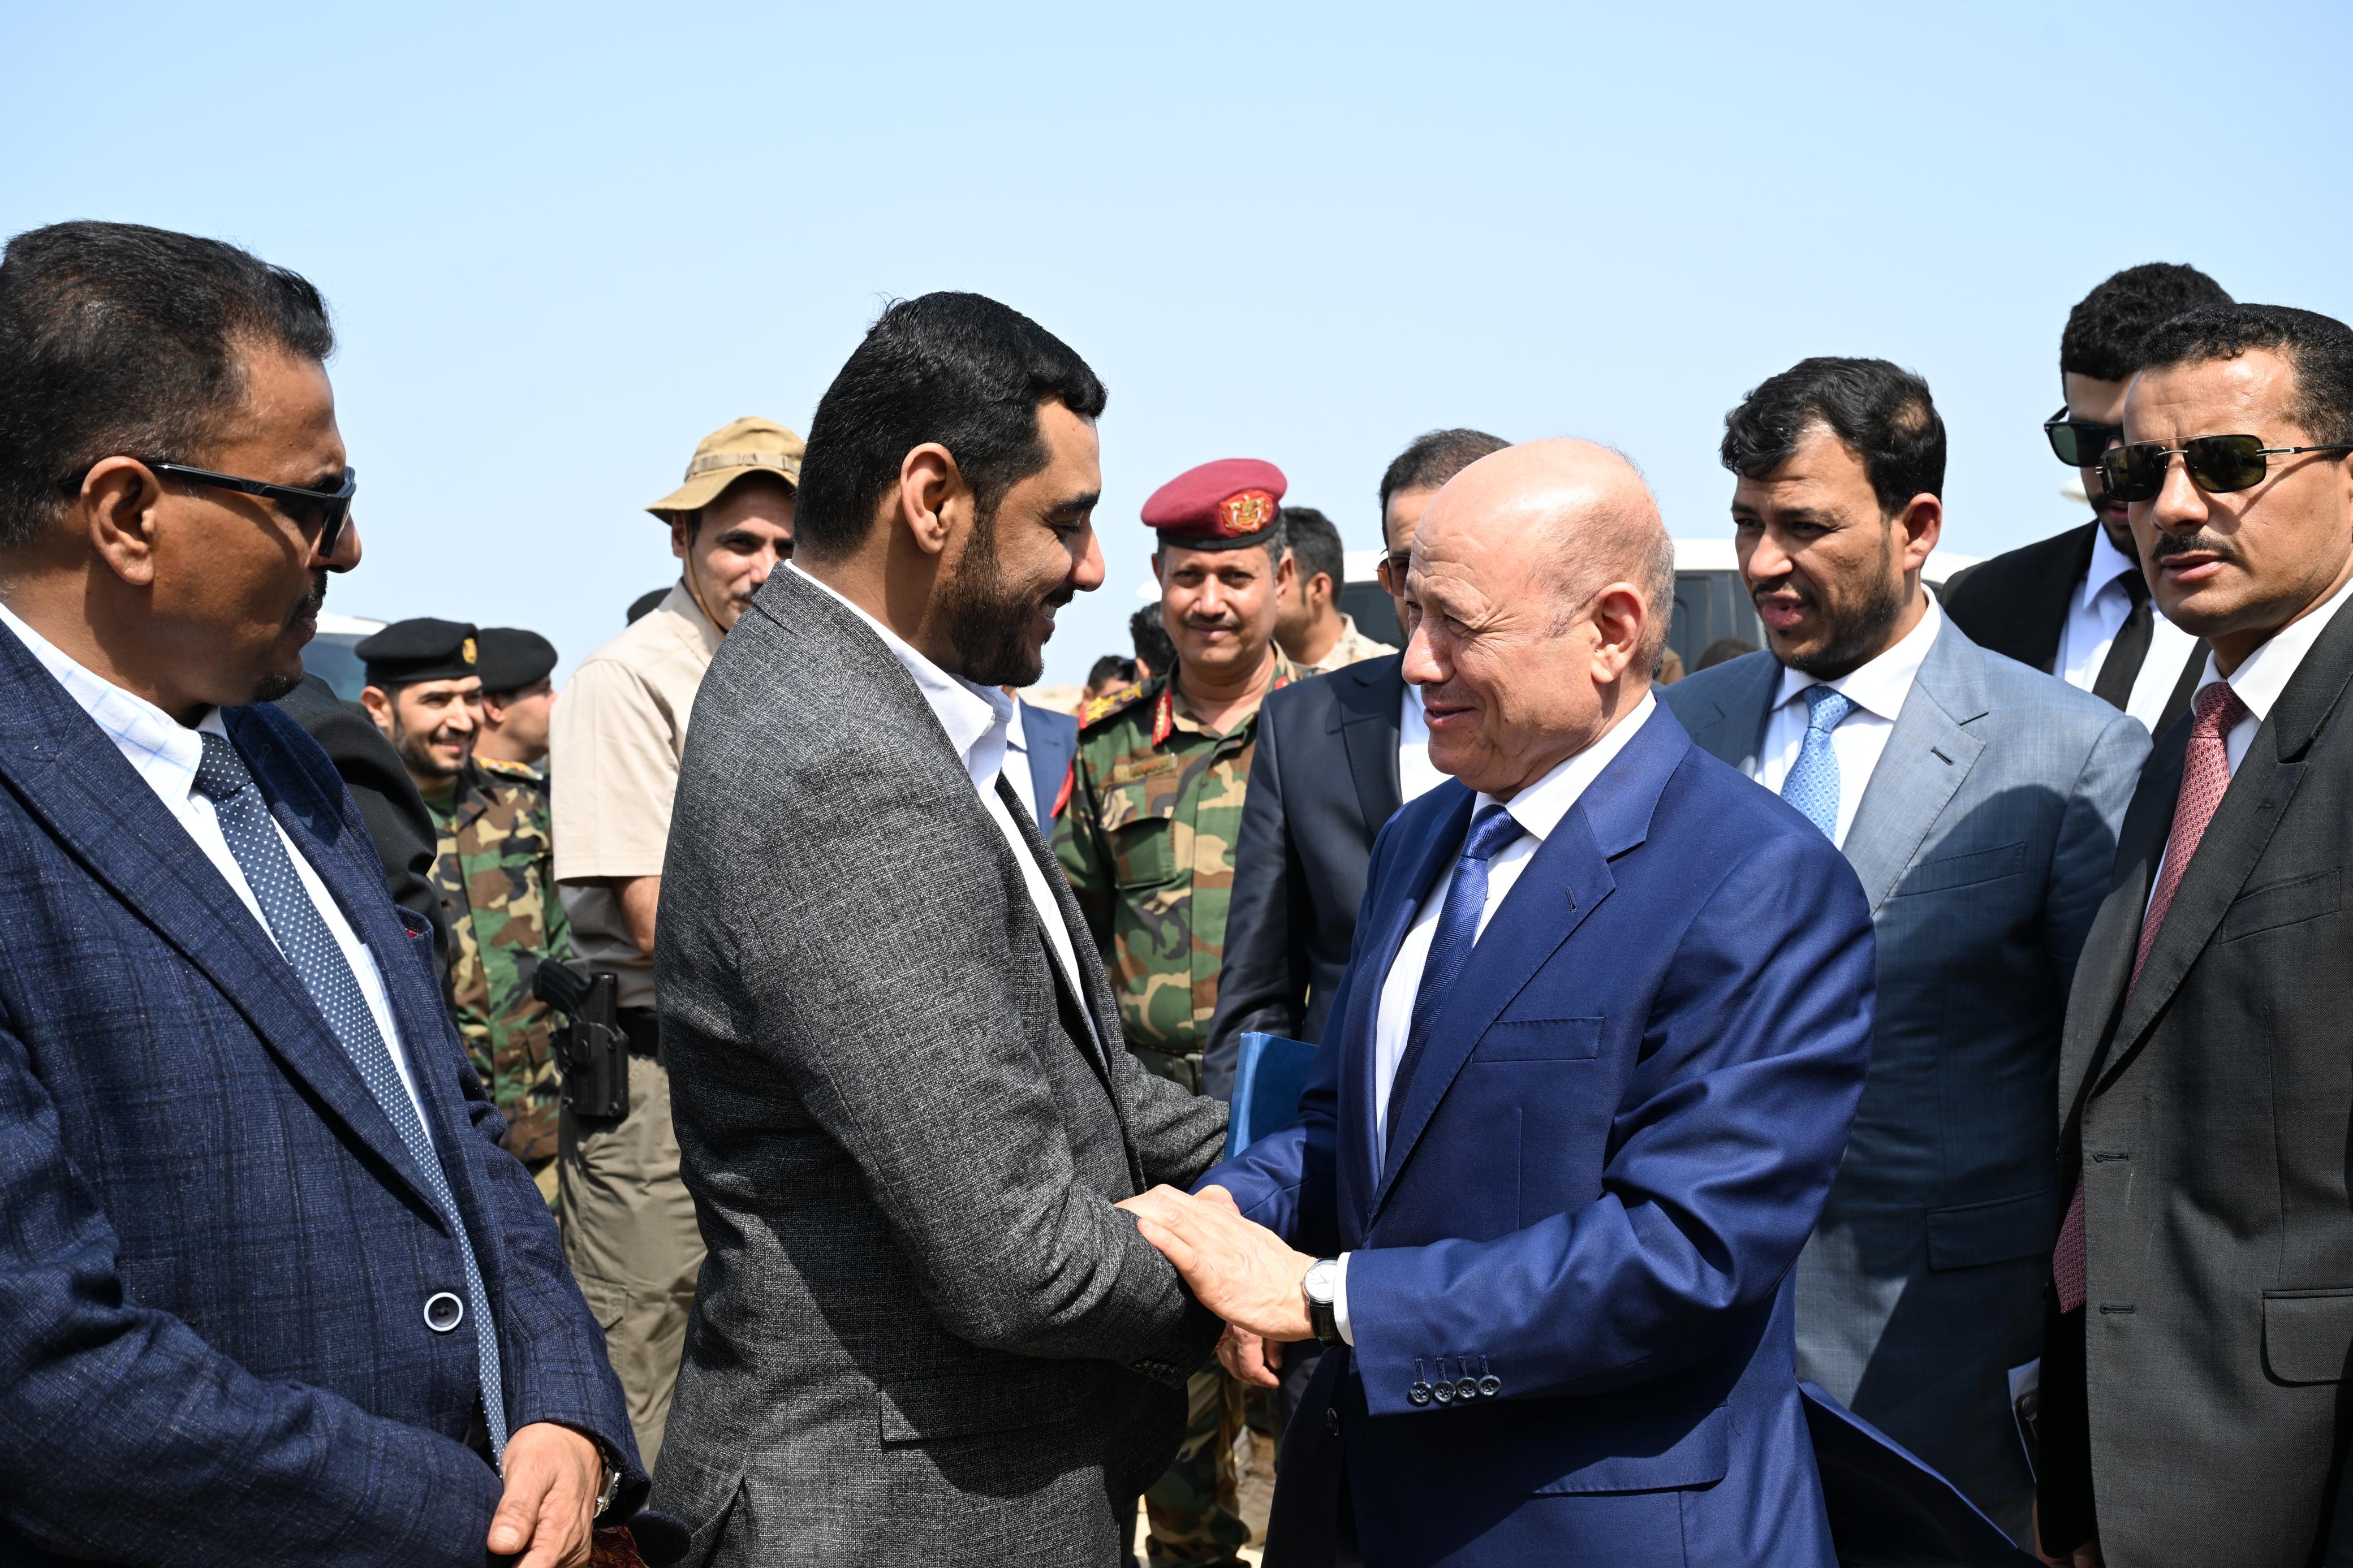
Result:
pixel 2076 605
pixel 2195 1361
pixel 266 1281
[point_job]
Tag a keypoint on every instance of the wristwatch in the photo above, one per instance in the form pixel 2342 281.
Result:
pixel 1321 1283
pixel 610 1489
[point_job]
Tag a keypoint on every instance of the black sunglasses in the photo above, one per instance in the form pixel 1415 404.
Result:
pixel 2219 464
pixel 319 514
pixel 2078 443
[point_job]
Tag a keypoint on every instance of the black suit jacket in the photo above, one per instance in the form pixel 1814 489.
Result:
pixel 398 822
pixel 1323 783
pixel 2016 603
pixel 2208 1113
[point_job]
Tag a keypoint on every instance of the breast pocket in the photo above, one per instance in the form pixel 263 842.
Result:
pixel 2278 904
pixel 1539 1040
pixel 1968 870
pixel 1139 819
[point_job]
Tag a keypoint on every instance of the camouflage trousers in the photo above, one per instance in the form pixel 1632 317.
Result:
pixel 1195 1521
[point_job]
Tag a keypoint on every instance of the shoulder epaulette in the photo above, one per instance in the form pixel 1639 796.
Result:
pixel 1118 700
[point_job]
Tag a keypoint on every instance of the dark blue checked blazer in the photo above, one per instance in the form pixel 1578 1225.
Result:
pixel 215 1251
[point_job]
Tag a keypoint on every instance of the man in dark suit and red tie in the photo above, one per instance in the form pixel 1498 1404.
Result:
pixel 269 1288
pixel 2194 1372
pixel 1582 1094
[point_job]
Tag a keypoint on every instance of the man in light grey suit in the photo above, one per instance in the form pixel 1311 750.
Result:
pixel 1979 802
pixel 924 1334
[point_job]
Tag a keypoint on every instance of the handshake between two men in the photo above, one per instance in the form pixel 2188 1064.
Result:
pixel 1239 1270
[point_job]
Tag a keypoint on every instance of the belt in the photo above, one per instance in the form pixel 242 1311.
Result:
pixel 1176 1067
pixel 643 1026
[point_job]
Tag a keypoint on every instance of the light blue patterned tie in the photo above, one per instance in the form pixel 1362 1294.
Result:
pixel 303 935
pixel 1492 832
pixel 1812 785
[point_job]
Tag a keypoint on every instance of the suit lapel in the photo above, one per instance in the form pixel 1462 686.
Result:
pixel 1733 730
pixel 1380 941
pixel 2042 607
pixel 2251 811
pixel 1095 989
pixel 1927 756
pixel 2105 967
pixel 1366 714
pixel 70 776
pixel 1565 883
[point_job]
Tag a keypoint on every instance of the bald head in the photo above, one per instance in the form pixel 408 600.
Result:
pixel 1541 587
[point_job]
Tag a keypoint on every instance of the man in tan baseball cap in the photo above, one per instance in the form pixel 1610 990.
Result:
pixel 618 733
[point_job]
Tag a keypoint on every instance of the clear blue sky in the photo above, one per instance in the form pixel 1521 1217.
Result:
pixel 563 243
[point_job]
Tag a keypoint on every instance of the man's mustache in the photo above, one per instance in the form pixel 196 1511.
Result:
pixel 1214 622
pixel 317 596
pixel 2168 544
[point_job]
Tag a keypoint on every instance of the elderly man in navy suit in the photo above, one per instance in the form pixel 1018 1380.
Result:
pixel 1582 1094
pixel 1979 802
pixel 269 1288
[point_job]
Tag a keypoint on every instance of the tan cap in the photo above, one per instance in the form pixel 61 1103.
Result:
pixel 726 454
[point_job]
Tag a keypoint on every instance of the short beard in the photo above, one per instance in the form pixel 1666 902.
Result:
pixel 418 760
pixel 1865 636
pixel 987 622
pixel 271 688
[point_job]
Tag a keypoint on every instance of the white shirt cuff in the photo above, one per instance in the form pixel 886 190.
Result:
pixel 1340 1302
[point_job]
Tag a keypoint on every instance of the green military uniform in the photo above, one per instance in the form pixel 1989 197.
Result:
pixel 495 872
pixel 1148 842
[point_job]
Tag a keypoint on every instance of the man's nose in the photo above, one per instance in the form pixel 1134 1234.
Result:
pixel 762 564
pixel 1768 562
pixel 1421 665
pixel 1087 575
pixel 2179 506
pixel 347 548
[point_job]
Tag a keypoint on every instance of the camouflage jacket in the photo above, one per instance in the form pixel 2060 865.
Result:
pixel 1148 842
pixel 495 872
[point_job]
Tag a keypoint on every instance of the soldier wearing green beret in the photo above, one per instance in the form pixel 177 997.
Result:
pixel 493 868
pixel 1148 843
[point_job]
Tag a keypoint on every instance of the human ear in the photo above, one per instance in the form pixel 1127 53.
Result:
pixel 929 481
pixel 1922 522
pixel 118 504
pixel 1618 616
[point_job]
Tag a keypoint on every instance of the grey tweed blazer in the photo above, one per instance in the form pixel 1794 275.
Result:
pixel 923 1333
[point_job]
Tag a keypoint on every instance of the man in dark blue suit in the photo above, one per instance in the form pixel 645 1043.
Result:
pixel 1583 1092
pixel 270 1290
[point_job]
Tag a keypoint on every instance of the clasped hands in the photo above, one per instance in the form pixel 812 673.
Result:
pixel 1239 1269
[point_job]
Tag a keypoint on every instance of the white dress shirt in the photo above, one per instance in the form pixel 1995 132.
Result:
pixel 2097 613
pixel 1878 690
pixel 165 753
pixel 976 718
pixel 1415 777
pixel 2260 678
pixel 1538 808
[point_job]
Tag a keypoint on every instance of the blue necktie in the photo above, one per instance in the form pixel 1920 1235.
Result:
pixel 1491 831
pixel 1812 785
pixel 303 935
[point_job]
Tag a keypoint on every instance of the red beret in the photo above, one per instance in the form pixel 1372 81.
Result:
pixel 1218 506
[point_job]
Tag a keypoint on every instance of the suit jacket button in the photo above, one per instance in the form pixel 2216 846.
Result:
pixel 443 1311
pixel 1419 1394
pixel 1467 1388
pixel 1489 1386
pixel 1443 1392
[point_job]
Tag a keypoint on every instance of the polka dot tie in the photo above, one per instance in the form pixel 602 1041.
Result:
pixel 303 935
pixel 1812 785
pixel 2205 779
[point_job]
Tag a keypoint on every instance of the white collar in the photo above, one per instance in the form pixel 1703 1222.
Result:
pixel 1540 806
pixel 165 752
pixel 2107 565
pixel 1881 686
pixel 2264 674
pixel 976 717
pixel 1017 734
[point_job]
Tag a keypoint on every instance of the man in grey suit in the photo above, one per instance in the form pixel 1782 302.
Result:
pixel 924 1334
pixel 2194 1383
pixel 1977 800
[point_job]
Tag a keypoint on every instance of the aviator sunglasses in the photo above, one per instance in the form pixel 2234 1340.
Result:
pixel 2220 465
pixel 319 514
pixel 2078 443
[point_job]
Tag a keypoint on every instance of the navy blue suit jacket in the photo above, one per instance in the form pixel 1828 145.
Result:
pixel 1623 1127
pixel 1053 741
pixel 215 1251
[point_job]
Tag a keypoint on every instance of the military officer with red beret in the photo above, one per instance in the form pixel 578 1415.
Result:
pixel 1148 842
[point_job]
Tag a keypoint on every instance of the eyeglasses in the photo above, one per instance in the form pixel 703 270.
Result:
pixel 1394 565
pixel 2078 443
pixel 319 514
pixel 2220 463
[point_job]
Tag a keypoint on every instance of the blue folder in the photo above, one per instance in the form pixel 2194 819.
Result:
pixel 1268 1081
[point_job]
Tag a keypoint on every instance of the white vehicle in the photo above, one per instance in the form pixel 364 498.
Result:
pixel 330 653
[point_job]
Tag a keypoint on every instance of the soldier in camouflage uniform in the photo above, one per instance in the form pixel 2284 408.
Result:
pixel 1148 842
pixel 494 871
